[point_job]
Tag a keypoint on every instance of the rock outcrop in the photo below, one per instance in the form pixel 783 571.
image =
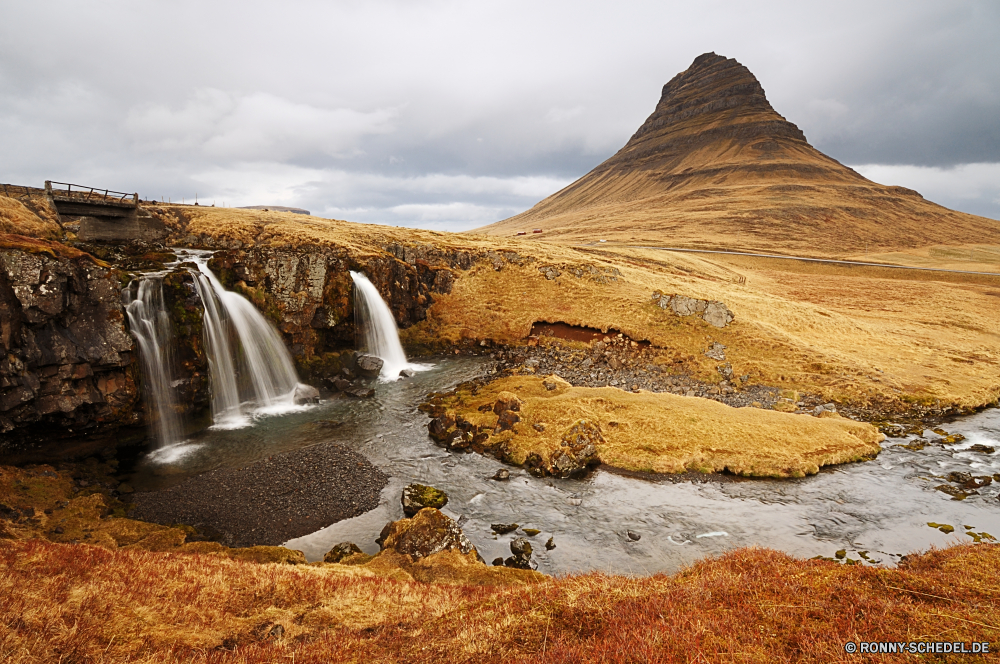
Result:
pixel 67 362
pixel 427 533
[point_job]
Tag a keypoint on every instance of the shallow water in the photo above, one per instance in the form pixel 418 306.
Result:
pixel 881 506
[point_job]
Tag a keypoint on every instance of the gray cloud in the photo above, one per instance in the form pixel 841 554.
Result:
pixel 452 115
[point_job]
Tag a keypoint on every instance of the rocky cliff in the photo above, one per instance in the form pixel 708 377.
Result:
pixel 68 366
pixel 715 166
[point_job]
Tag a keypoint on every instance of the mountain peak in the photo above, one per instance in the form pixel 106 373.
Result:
pixel 716 98
pixel 715 166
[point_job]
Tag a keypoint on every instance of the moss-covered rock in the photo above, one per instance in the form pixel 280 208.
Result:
pixel 418 496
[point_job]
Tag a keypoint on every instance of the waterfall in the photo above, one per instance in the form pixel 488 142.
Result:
pixel 250 367
pixel 250 370
pixel 379 334
pixel 150 323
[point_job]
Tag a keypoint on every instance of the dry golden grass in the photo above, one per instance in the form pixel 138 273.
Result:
pixel 666 433
pixel 62 603
pixel 17 219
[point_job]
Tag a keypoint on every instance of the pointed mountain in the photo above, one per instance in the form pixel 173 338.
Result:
pixel 715 166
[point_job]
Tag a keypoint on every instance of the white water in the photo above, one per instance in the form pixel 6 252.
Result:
pixel 150 324
pixel 251 370
pixel 378 331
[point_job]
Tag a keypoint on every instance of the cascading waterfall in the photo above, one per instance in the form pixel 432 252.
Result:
pixel 378 331
pixel 150 323
pixel 250 368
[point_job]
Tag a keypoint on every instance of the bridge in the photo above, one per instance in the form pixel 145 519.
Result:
pixel 103 215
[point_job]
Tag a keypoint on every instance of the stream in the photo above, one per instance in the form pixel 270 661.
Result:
pixel 880 507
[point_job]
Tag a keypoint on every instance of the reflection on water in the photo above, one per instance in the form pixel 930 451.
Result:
pixel 881 507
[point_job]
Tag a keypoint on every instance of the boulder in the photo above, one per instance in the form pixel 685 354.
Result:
pixel 687 306
pixel 506 421
pixel 360 392
pixel 306 394
pixel 717 314
pixel 418 496
pixel 503 528
pixel 369 365
pixel 716 351
pixel 501 475
pixel 407 373
pixel 577 450
pixel 341 551
pixel 427 533
pixel 506 401
pixel 521 558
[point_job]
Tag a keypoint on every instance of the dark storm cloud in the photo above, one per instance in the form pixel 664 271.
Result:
pixel 452 115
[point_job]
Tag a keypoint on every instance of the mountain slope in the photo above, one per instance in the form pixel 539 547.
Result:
pixel 715 166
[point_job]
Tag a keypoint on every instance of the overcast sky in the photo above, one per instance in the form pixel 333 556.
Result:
pixel 451 115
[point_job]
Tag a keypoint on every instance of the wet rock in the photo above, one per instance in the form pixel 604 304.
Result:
pixel 360 392
pixel 521 548
pixel 339 384
pixel 306 394
pixel 369 365
pixel 341 551
pixel 955 492
pixel 416 497
pixel 504 528
pixel 407 373
pixel 498 561
pixel 635 537
pixel 979 447
pixel 550 544
pixel 959 477
pixel 427 533
pixel 501 475
pixel 530 532
pixel 577 450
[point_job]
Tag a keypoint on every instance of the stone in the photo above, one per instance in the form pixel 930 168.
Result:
pixel 503 528
pixel 416 497
pixel 427 533
pixel 506 421
pixel 716 351
pixel 341 384
pixel 501 475
pixel 550 544
pixel 635 537
pixel 959 477
pixel 407 373
pixel 955 492
pixel 360 392
pixel 341 551
pixel 979 447
pixel 506 401
pixel 577 450
pixel 538 426
pixel 498 561
pixel 717 314
pixel 306 394
pixel 521 558
pixel 369 365
pixel 530 532
pixel 687 306
pixel 726 371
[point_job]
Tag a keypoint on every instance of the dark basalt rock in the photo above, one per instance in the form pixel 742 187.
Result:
pixel 416 497
pixel 521 548
pixel 369 365
pixel 504 528
pixel 341 551
pixel 67 362
pixel 427 533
